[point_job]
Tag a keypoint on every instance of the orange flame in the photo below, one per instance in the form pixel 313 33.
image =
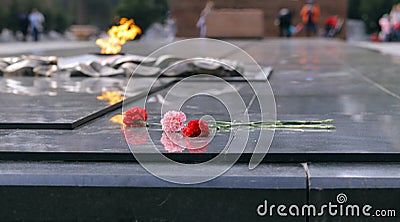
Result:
pixel 118 35
pixel 112 97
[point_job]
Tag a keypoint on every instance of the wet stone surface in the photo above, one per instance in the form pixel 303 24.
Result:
pixel 310 81
pixel 58 103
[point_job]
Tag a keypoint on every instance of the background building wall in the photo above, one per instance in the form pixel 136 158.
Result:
pixel 186 12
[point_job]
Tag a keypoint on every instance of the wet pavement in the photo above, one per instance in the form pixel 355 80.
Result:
pixel 386 48
pixel 312 79
pixel 316 79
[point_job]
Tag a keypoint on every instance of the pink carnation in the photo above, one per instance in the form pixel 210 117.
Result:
pixel 173 121
pixel 170 146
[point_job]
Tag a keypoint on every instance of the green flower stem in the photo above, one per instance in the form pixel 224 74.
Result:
pixel 294 122
pixel 320 126
pixel 152 124
pixel 289 124
pixel 279 124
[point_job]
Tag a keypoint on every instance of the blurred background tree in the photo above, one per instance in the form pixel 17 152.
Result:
pixel 54 11
pixel 61 14
pixel 370 11
pixel 93 12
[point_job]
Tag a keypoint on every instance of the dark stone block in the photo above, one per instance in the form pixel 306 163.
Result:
pixel 356 185
pixel 139 204
pixel 125 192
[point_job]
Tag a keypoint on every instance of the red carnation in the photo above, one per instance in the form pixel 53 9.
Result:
pixel 135 117
pixel 196 128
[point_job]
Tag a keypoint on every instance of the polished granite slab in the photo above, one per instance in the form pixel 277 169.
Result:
pixel 60 103
pixel 358 136
pixel 101 138
pixel 52 103
pixel 68 102
pixel 312 80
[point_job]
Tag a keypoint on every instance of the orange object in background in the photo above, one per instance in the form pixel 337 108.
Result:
pixel 315 13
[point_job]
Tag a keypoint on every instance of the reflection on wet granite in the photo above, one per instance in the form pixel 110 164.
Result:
pixel 30 101
pixel 178 143
pixel 135 135
pixel 358 137
pixel 64 103
pixel 358 131
pixel 29 86
pixel 198 105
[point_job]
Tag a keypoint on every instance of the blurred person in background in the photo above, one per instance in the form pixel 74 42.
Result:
pixel 36 20
pixel 310 16
pixel 201 23
pixel 23 25
pixel 285 22
pixel 395 22
pixel 171 28
pixel 384 22
pixel 330 26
